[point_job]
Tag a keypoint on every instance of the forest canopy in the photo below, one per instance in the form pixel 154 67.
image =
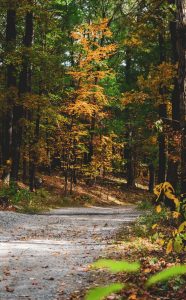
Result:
pixel 93 88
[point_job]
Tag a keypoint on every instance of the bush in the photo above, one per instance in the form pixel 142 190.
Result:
pixel 14 194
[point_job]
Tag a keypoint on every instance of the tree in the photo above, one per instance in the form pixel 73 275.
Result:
pixel 11 93
pixel 24 88
pixel 181 48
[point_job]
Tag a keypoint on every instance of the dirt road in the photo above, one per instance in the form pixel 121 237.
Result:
pixel 46 256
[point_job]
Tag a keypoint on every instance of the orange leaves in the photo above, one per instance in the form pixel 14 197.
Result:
pixel 90 37
pixel 94 31
pixel 159 77
pixel 133 41
pixel 169 248
pixel 89 97
pixel 158 209
pixel 81 107
pixel 134 97
pixel 86 101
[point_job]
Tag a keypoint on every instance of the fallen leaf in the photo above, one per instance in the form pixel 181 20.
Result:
pixel 9 289
pixel 158 209
pixel 133 297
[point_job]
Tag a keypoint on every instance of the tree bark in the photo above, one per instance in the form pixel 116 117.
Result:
pixel 11 95
pixel 162 114
pixel 24 87
pixel 128 151
pixel 130 165
pixel 162 147
pixel 172 170
pixel 91 142
pixel 33 154
pixel 181 48
pixel 11 90
pixel 151 177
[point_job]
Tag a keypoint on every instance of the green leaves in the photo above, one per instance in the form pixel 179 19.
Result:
pixel 117 266
pixel 167 274
pixel 100 293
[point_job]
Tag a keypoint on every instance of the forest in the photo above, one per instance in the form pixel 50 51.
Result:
pixel 93 97
pixel 91 89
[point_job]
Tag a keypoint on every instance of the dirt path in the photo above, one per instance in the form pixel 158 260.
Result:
pixel 46 256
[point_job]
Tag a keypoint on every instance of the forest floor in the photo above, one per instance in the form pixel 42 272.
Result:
pixel 46 256
pixel 105 192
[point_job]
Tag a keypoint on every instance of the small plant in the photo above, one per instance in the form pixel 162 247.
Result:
pixel 145 205
pixel 14 194
pixel 21 195
pixel 175 241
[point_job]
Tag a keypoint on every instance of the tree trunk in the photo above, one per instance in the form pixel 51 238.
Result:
pixel 162 114
pixel 128 151
pixel 181 48
pixel 151 177
pixel 162 147
pixel 33 154
pixel 130 166
pixel 172 170
pixel 11 88
pixel 24 87
pixel 91 145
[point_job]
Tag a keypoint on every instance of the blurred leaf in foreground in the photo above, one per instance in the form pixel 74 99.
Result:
pixel 101 293
pixel 167 274
pixel 117 266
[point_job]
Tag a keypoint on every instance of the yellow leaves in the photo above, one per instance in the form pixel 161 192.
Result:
pixel 169 247
pixel 133 297
pixel 83 108
pixel 134 97
pixel 92 52
pixel 89 97
pixel 158 209
pixel 182 227
pixel 93 31
pixel 161 242
pixel 133 41
pixel 148 270
pixel 153 140
pixel 167 189
pixel 154 226
pixel 176 214
pixel 158 189
pixel 33 101
pixel 159 77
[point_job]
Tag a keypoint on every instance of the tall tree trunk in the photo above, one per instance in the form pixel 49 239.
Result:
pixel 91 141
pixel 162 147
pixel 24 87
pixel 33 153
pixel 151 177
pixel 162 114
pixel 128 151
pixel 128 155
pixel 11 92
pixel 181 48
pixel 172 170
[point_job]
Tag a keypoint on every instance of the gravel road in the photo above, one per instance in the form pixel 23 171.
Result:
pixel 46 256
